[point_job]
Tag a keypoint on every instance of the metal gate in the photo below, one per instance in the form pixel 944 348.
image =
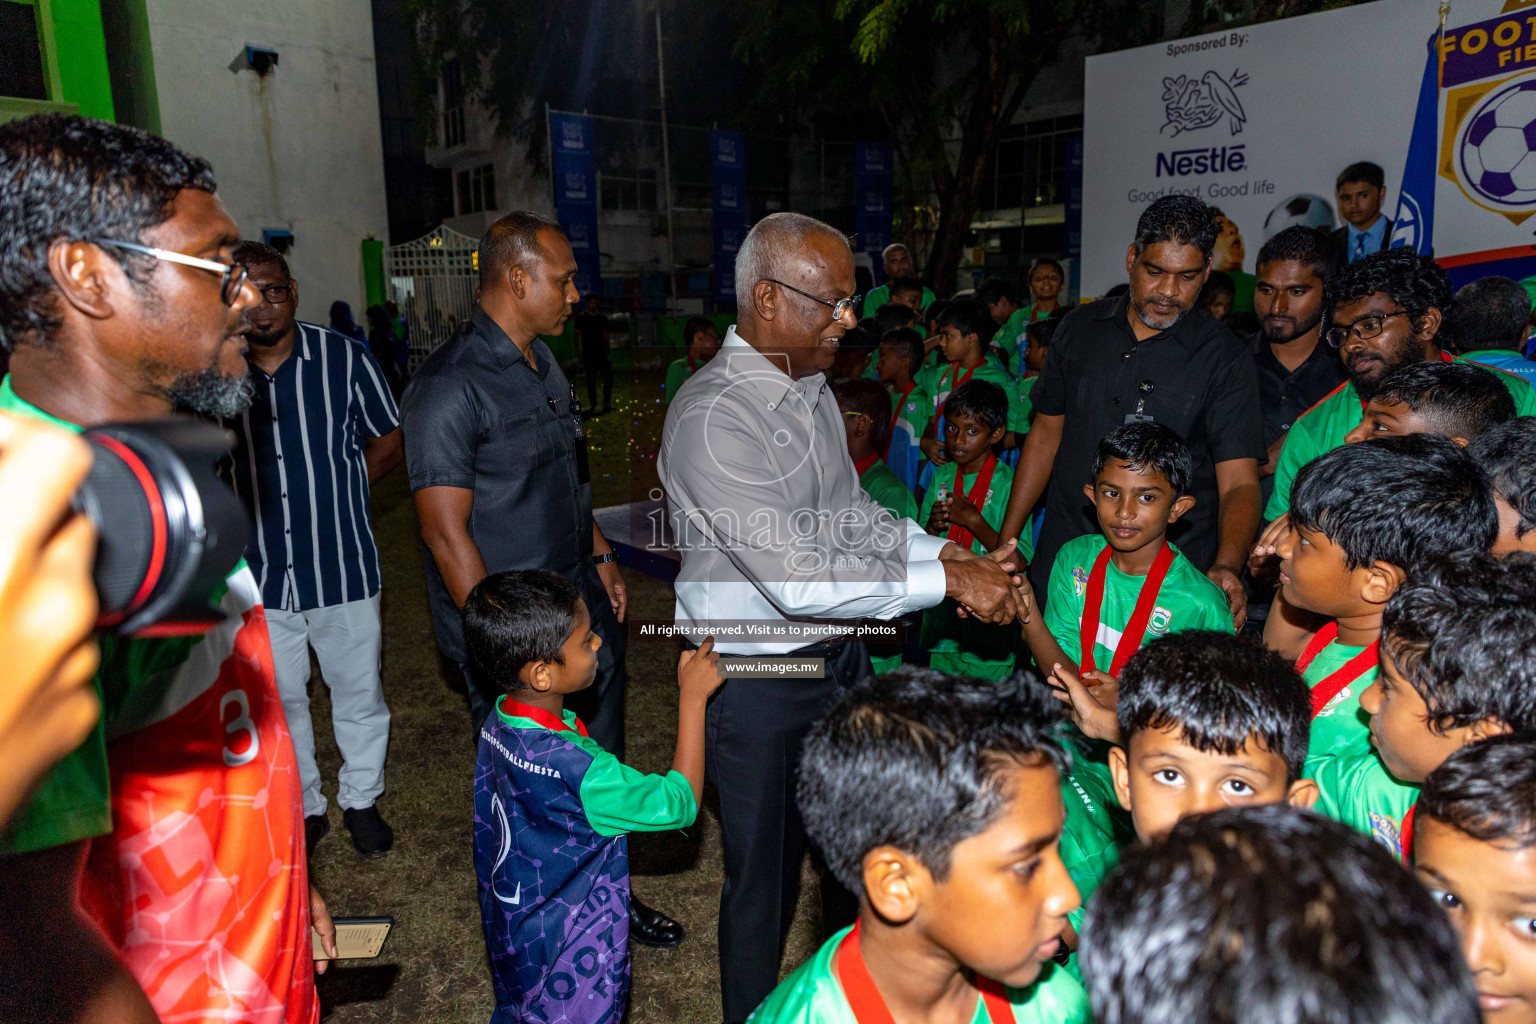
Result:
pixel 433 279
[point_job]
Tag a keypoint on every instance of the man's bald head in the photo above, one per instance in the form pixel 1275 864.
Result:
pixel 780 247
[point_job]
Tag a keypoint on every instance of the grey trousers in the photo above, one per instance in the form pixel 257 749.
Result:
pixel 347 642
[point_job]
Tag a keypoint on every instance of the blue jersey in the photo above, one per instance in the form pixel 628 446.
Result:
pixel 551 812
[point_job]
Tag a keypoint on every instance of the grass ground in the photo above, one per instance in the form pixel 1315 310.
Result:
pixel 433 967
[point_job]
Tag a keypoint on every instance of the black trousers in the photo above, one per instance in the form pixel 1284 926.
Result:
pixel 754 729
pixel 599 368
pixel 601 705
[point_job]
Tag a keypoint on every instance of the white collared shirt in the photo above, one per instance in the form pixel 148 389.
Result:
pixel 768 513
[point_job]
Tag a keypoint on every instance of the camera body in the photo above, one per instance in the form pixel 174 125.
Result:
pixel 170 530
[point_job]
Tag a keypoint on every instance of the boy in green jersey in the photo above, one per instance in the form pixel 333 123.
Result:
pixel 1454 400
pixel 901 357
pixel 1507 454
pixel 1366 517
pixel 1128 582
pixel 1262 915
pixel 1386 310
pixel 1457 667
pixel 965 331
pixel 1475 851
pixel 703 341
pixel 866 411
pixel 966 502
pixel 1204 720
pixel 937 800
pixel 891 317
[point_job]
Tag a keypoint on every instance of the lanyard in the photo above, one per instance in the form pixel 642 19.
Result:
pixel 978 497
pixel 1408 832
pixel 862 466
pixel 899 405
pixel 957 380
pixel 868 1005
pixel 692 366
pixel 1136 628
pixel 1330 687
pixel 544 718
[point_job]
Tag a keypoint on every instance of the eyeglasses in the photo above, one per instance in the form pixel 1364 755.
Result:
pixel 1366 328
pixel 275 293
pixel 838 308
pixel 231 276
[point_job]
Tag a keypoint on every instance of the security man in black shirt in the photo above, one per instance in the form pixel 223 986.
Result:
pixel 1149 355
pixel 498 464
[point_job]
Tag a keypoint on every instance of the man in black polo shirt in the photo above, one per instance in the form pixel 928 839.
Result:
pixel 1295 370
pixel 1149 355
pixel 498 464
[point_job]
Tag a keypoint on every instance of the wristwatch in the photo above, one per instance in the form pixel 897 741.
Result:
pixel 603 559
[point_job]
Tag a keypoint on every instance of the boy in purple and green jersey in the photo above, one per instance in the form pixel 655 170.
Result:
pixel 901 359
pixel 1387 309
pixel 959 911
pixel 1434 694
pixel 552 807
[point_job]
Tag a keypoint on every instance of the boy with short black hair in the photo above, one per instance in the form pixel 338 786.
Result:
pixel 1204 720
pixel 908 291
pixel 1365 517
pixel 1111 591
pixel 1475 852
pixel 1458 667
pixel 966 501
pixel 702 339
pixel 1270 914
pixel 901 360
pixel 1507 454
pixel 937 799
pixel 866 408
pixel 854 356
pixel 1454 400
pixel 552 808
pixel 895 316
pixel 965 332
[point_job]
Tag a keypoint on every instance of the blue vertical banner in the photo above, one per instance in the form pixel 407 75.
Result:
pixel 730 209
pixel 574 169
pixel 873 203
pixel 1413 226
pixel 1074 246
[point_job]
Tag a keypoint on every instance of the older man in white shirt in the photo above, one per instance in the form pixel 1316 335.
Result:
pixel 782 554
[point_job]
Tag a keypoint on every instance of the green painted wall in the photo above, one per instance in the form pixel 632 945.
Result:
pixel 80 48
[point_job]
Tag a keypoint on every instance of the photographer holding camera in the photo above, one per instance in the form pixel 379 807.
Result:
pixel 119 301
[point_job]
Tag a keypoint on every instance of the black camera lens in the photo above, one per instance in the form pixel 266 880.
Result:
pixel 170 530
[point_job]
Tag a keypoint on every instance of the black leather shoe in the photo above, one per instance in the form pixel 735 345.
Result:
pixel 315 828
pixel 371 834
pixel 651 927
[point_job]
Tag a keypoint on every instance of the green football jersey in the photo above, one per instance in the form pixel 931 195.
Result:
pixel 1186 600
pixel 967 646
pixel 1322 428
pixel 1342 727
pixel 886 488
pixel 1096 827
pixel 1359 791
pixel 952 376
pixel 814 995
pixel 878 297
pixel 679 371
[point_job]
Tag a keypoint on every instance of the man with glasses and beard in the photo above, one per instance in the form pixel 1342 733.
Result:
pixel 120 300
pixel 1149 355
pixel 1385 312
pixel 321 428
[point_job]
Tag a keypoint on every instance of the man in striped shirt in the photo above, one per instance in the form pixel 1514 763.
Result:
pixel 321 428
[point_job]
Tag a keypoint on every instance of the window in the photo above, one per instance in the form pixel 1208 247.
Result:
pixel 627 188
pixel 21 58
pixel 1029 168
pixel 453 105
pixel 477 189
